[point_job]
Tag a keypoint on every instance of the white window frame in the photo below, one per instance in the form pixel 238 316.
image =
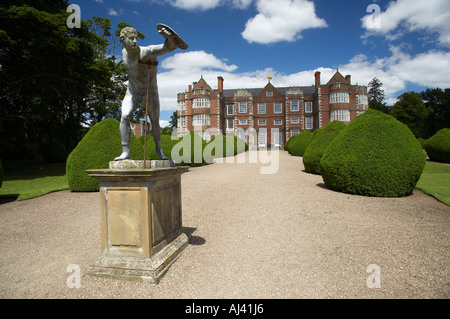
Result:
pixel 242 107
pixel 277 122
pixel 228 124
pixel 278 139
pixel 200 102
pixel 295 132
pixel 182 105
pixel 228 109
pixel 340 115
pixel 275 105
pixel 200 119
pixel 340 97
pixel 260 105
pixel 243 122
pixel 269 93
pixel 262 138
pixel 295 120
pixel 295 105
pixel 308 107
pixel 308 123
pixel 262 123
pixel 181 121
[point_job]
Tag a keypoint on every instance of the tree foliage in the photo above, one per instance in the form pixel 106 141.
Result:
pixel 410 110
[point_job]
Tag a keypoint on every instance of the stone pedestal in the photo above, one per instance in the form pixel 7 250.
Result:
pixel 141 220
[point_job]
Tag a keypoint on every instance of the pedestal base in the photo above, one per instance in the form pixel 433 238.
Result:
pixel 144 269
pixel 141 220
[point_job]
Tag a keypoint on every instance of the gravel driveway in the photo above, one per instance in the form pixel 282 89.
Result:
pixel 252 235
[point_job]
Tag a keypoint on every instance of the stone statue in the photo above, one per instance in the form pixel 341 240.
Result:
pixel 140 61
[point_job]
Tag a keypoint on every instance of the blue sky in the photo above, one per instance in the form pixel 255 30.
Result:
pixel 404 43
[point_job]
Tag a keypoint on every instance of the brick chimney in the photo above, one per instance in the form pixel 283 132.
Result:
pixel 220 84
pixel 347 77
pixel 317 77
pixel 190 88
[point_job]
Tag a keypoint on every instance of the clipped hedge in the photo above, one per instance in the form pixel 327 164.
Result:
pixel 299 143
pixel 320 140
pixel 98 147
pixel 223 146
pixel 189 150
pixel 375 155
pixel 166 145
pixel 438 146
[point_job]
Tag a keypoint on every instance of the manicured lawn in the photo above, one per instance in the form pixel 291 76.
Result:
pixel 435 181
pixel 25 180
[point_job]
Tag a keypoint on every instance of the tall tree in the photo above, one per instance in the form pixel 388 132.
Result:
pixel 437 102
pixel 47 70
pixel 410 110
pixel 376 96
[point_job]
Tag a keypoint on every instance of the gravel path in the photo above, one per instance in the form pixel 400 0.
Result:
pixel 282 235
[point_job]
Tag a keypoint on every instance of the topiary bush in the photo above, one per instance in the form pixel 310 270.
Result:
pixel 375 155
pixel 299 144
pixel 189 150
pixel 98 147
pixel 289 142
pixel 166 145
pixel 224 145
pixel 438 146
pixel 320 140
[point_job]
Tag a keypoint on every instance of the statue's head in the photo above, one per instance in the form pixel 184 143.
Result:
pixel 128 37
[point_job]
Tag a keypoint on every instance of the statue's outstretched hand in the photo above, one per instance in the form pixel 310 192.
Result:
pixel 171 41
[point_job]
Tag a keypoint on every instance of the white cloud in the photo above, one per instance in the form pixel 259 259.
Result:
pixel 204 5
pixel 281 20
pixel 407 16
pixel 196 61
pixel 114 12
pixel 164 123
pixel 195 4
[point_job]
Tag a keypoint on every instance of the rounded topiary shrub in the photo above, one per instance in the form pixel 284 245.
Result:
pixel 99 146
pixel 189 150
pixel 376 155
pixel 438 146
pixel 298 146
pixel 320 140
pixel 223 146
pixel 289 142
pixel 167 143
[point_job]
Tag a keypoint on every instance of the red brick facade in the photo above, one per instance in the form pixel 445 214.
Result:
pixel 255 113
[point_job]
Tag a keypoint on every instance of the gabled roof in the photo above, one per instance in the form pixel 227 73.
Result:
pixel 201 84
pixel 337 77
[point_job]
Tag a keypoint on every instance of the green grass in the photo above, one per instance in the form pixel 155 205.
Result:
pixel 435 181
pixel 25 180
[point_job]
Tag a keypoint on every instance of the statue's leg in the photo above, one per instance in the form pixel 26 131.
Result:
pixel 153 111
pixel 125 129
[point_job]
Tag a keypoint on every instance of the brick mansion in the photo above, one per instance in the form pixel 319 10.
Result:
pixel 255 112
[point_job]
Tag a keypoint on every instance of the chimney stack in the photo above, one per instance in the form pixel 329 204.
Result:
pixel 190 88
pixel 317 77
pixel 220 84
pixel 347 77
